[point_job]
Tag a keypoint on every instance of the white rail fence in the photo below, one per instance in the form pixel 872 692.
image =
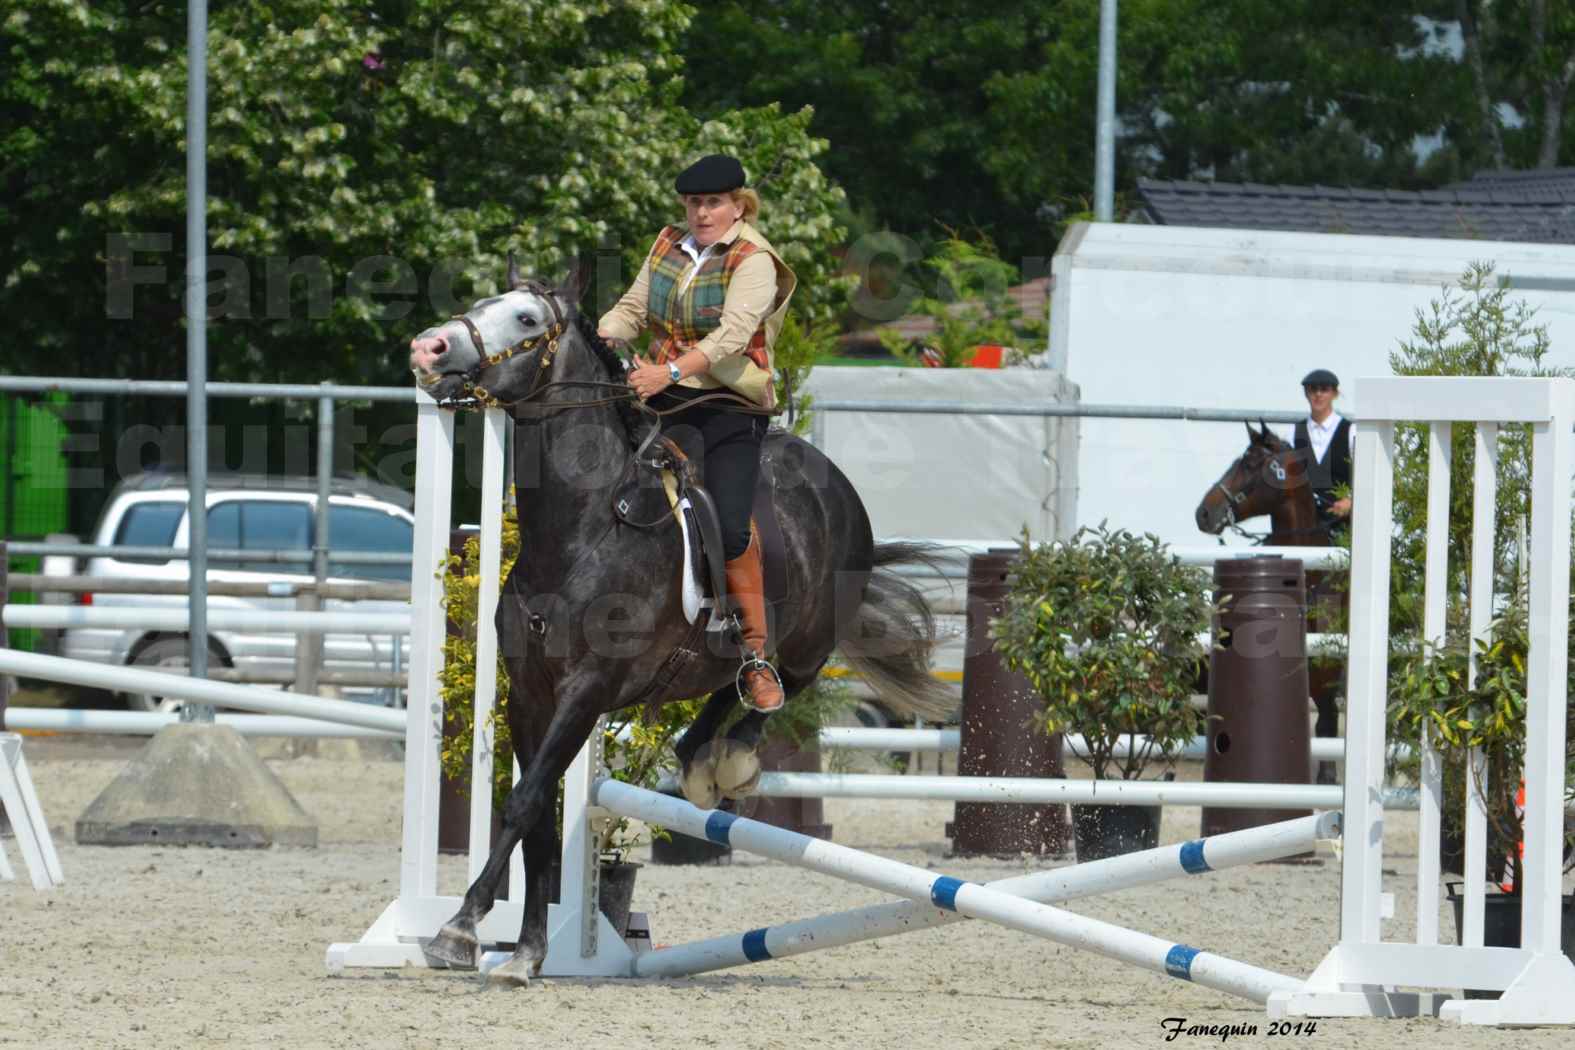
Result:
pixel 1365 975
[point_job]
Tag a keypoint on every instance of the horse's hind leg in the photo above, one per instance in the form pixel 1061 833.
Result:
pixel 738 755
pixel 696 751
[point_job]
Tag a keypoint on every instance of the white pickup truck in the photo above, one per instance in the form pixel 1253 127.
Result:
pixel 245 512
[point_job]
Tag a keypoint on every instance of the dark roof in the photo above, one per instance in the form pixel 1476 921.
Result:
pixel 1533 182
pixel 1534 207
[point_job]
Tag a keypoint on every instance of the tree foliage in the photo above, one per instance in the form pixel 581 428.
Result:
pixel 1477 329
pixel 1519 56
pixel 369 166
pixel 971 115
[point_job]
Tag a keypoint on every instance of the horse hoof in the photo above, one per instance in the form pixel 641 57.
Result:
pixel 516 973
pixel 454 947
pixel 737 769
pixel 698 783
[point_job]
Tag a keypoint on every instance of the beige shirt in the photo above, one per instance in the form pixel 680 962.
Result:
pixel 750 297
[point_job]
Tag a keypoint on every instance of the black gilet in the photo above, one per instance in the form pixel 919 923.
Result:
pixel 1336 466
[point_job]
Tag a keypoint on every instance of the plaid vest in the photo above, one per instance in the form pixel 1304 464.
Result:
pixel 682 320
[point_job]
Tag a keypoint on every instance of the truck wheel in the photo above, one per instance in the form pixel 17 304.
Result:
pixel 172 656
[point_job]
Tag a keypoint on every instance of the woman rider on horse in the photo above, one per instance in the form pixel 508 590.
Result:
pixel 714 293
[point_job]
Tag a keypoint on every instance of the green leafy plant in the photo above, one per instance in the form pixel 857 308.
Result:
pixel 1473 329
pixel 1476 329
pixel 799 345
pixel 1105 627
pixel 1430 689
pixel 971 307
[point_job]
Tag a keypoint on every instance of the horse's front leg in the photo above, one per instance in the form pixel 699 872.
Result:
pixel 456 943
pixel 530 814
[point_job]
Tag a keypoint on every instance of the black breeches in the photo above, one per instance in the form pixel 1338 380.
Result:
pixel 725 448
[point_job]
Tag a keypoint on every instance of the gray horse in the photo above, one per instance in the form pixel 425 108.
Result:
pixel 591 615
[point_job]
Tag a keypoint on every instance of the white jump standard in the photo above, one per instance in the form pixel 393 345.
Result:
pixel 1364 975
pixel 965 898
pixel 19 802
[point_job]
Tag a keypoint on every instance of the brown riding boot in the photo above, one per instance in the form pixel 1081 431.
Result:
pixel 746 586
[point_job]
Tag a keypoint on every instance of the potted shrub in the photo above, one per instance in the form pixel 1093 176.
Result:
pixel 1105 627
pixel 972 308
pixel 1428 691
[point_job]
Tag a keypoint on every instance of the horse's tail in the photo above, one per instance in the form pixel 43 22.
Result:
pixel 892 636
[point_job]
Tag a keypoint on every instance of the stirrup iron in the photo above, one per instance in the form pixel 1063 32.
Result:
pixel 753 662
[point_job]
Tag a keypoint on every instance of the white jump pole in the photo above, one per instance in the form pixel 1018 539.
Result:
pixel 1200 856
pixel 1075 792
pixel 219 694
pixel 967 899
pixel 146 723
pixel 861 738
pixel 163 618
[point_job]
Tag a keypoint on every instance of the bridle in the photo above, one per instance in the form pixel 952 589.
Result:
pixel 1233 500
pixel 550 335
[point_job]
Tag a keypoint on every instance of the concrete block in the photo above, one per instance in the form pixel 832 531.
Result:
pixel 196 785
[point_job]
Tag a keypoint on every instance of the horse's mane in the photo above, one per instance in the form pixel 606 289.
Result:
pixel 611 364
pixel 1271 443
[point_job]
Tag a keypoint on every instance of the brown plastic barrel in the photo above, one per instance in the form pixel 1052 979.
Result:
pixel 1257 730
pixel 999 734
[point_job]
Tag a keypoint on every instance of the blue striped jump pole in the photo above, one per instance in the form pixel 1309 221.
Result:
pixel 969 899
pixel 1198 857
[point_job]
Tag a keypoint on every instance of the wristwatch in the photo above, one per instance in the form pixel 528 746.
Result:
pixel 672 370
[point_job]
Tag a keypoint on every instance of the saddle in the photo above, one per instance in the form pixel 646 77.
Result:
pixel 705 566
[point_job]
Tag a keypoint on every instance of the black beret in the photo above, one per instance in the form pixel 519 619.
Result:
pixel 1321 377
pixel 717 173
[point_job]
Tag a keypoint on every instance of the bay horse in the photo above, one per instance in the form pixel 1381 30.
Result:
pixel 590 619
pixel 1270 478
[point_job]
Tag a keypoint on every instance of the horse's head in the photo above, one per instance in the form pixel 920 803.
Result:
pixel 501 348
pixel 1254 484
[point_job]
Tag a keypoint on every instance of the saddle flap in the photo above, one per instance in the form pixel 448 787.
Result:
pixel 689 497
